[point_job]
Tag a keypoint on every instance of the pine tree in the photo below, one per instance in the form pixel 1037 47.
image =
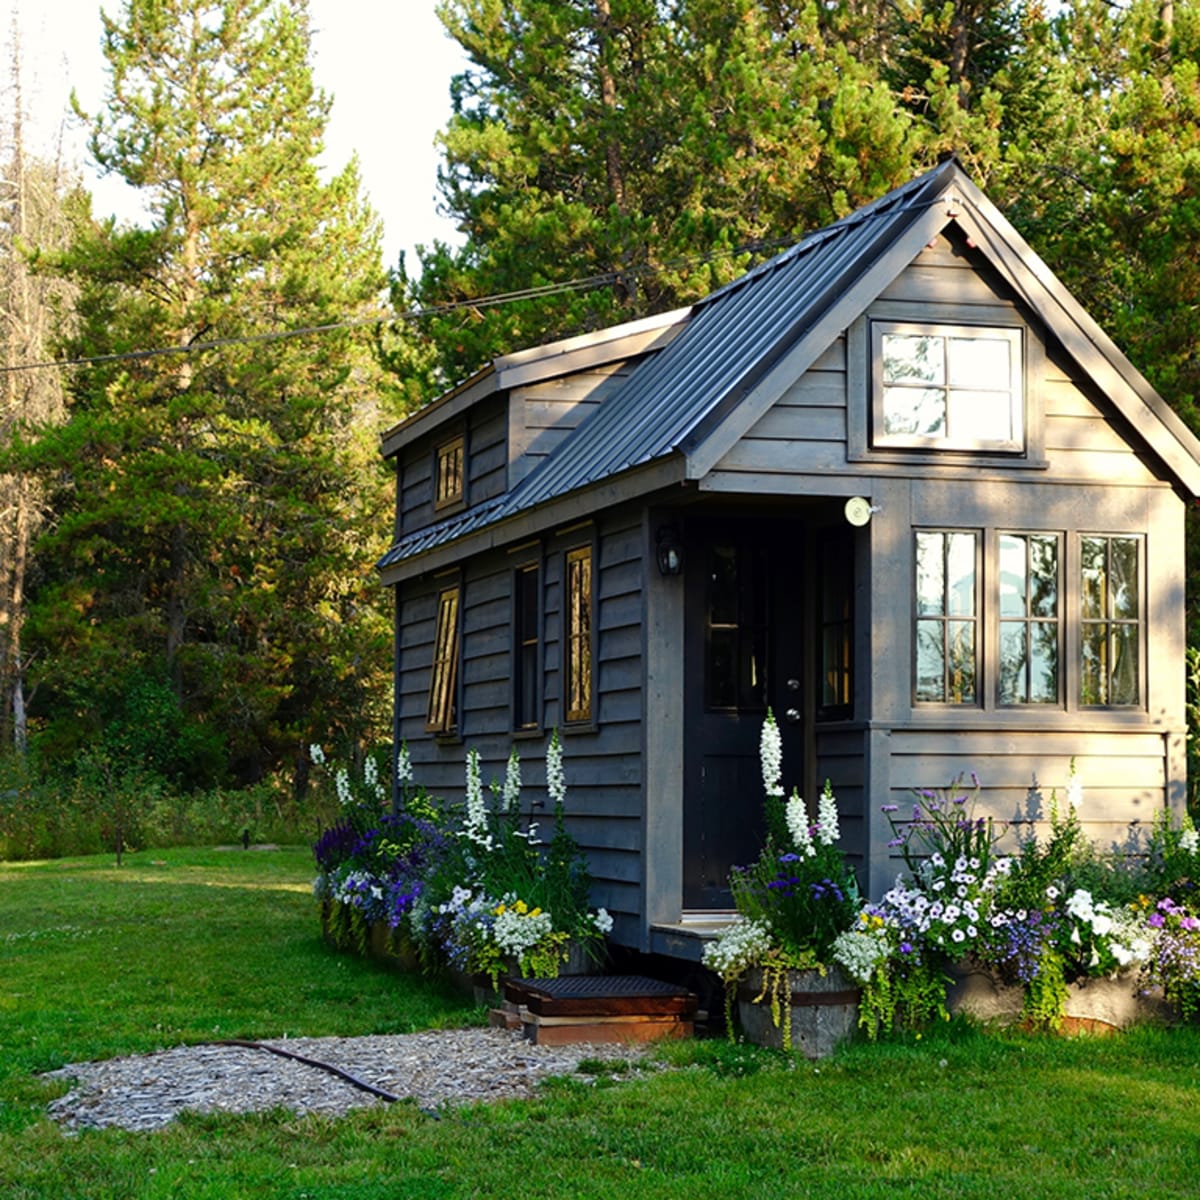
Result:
pixel 650 149
pixel 34 195
pixel 219 508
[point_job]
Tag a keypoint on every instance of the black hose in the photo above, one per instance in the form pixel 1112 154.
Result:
pixel 313 1062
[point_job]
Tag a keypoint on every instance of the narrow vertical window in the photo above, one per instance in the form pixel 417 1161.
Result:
pixel 448 473
pixel 1029 619
pixel 442 712
pixel 526 614
pixel 1110 620
pixel 578 648
pixel 837 629
pixel 946 618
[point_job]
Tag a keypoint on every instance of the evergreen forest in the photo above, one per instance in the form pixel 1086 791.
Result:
pixel 191 495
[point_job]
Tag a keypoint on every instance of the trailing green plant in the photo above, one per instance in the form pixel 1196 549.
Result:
pixel 793 901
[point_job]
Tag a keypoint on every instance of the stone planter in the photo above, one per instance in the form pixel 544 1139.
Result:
pixel 1102 1005
pixel 821 1011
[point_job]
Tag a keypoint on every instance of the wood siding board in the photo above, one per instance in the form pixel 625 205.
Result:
pixel 835 317
pixel 1087 344
pixel 799 424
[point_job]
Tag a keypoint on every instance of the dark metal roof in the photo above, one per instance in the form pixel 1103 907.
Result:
pixel 732 338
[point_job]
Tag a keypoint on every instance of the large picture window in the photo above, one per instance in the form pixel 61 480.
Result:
pixel 578 635
pixel 1029 618
pixel 947 620
pixel 1110 620
pixel 442 712
pixel 947 387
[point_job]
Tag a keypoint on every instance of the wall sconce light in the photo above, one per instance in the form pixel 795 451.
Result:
pixel 669 553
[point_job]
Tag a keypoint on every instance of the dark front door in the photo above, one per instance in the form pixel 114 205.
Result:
pixel 743 642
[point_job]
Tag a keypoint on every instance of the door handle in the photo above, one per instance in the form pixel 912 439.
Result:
pixel 793 715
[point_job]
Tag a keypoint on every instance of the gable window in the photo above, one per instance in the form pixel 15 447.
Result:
pixel 1029 618
pixel 441 715
pixel 448 474
pixel 946 617
pixel 952 387
pixel 526 616
pixel 578 635
pixel 1110 619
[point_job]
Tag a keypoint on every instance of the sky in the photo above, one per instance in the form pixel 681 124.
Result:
pixel 386 63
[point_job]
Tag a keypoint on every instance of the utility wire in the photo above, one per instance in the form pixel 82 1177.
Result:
pixel 588 283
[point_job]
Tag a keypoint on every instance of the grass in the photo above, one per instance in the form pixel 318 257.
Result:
pixel 195 945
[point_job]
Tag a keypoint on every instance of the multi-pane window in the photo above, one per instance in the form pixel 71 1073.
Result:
pixel 442 712
pixel 578 635
pixel 736 628
pixel 837 629
pixel 948 387
pixel 946 617
pixel 448 473
pixel 1110 619
pixel 1029 618
pixel 526 613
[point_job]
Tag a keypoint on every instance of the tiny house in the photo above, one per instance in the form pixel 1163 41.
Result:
pixel 893 484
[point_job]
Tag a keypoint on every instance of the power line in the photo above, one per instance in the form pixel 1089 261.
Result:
pixel 587 283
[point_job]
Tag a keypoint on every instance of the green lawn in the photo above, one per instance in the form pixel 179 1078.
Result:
pixel 202 944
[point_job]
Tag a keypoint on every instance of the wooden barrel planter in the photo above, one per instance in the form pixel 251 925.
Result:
pixel 821 1011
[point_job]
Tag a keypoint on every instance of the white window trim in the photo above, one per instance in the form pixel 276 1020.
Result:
pixel 1013 334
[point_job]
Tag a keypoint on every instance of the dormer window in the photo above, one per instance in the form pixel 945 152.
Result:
pixel 448 474
pixel 953 387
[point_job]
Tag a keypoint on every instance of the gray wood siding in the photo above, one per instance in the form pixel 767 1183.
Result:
pixel 602 761
pixel 808 430
pixel 486 430
pixel 1123 777
pixel 542 415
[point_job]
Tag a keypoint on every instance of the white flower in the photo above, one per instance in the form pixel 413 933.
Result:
pixel 827 817
pixel 556 780
pixel 316 754
pixel 1189 841
pixel 512 782
pixel 738 947
pixel 475 825
pixel 341 782
pixel 771 754
pixel 602 920
pixel 1074 790
pixel 797 823
pixel 404 771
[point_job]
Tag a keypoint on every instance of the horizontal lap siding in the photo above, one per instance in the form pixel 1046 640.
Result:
pixel 840 759
pixel 804 430
pixel 544 414
pixel 1122 774
pixel 602 763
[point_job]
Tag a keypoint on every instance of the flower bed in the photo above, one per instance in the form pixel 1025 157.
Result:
pixel 1047 932
pixel 473 894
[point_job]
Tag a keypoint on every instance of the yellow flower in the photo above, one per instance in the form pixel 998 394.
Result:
pixel 537 912
pixel 521 908
pixel 500 910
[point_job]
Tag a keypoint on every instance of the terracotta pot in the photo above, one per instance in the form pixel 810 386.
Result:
pixel 821 1011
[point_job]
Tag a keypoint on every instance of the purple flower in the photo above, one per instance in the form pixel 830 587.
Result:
pixel 1156 920
pixel 896 842
pixel 906 947
pixel 889 808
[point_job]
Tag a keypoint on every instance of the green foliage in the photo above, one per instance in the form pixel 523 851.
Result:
pixel 902 995
pixel 217 511
pixel 718 1116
